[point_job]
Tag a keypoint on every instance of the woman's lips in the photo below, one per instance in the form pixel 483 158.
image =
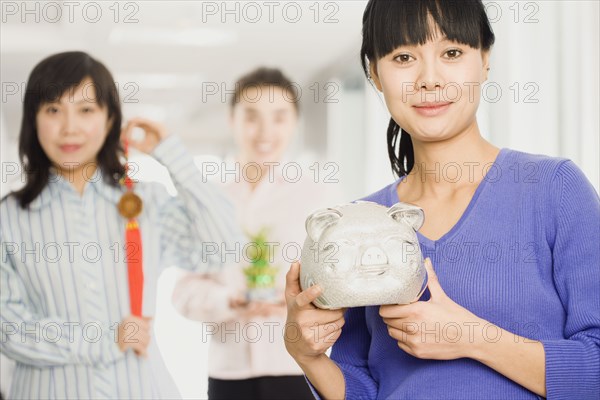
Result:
pixel 70 148
pixel 432 110
pixel 264 147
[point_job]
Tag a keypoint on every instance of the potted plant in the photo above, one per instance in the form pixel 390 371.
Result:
pixel 260 274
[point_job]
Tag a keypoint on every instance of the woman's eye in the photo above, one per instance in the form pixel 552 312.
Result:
pixel 454 53
pixel 403 58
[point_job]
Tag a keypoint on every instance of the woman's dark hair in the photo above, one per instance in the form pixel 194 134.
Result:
pixel 48 82
pixel 263 76
pixel 389 24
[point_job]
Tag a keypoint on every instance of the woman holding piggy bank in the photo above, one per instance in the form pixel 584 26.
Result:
pixel 521 321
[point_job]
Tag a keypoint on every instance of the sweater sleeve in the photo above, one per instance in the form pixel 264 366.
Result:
pixel 350 353
pixel 573 363
pixel 198 230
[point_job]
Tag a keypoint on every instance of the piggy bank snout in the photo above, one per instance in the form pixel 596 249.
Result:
pixel 374 256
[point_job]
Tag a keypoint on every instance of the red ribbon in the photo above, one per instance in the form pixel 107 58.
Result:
pixel 134 267
pixel 133 251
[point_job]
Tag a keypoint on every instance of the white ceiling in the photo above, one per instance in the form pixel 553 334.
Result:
pixel 177 48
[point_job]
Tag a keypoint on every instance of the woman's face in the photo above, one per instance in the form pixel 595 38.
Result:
pixel 432 90
pixel 73 129
pixel 263 123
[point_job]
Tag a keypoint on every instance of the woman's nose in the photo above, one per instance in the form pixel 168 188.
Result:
pixel 429 78
pixel 265 130
pixel 69 124
pixel 429 84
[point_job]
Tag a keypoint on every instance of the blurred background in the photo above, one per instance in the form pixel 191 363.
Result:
pixel 177 62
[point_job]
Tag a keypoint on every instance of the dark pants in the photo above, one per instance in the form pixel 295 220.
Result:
pixel 263 388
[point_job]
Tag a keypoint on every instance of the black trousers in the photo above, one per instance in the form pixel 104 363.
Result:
pixel 263 388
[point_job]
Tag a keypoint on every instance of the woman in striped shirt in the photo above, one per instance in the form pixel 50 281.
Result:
pixel 64 299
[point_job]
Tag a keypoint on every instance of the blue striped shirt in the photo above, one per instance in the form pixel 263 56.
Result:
pixel 64 284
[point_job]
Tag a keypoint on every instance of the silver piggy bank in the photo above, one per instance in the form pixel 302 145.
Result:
pixel 364 254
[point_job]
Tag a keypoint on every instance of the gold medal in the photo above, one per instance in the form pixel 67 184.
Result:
pixel 130 205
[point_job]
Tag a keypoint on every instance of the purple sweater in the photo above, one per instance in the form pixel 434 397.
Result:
pixel 525 256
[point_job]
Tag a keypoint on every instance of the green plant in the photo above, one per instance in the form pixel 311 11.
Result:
pixel 260 273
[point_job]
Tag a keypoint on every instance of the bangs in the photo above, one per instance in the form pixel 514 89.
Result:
pixel 61 73
pixel 389 24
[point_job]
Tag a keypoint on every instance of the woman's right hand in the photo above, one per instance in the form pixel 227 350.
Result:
pixel 309 331
pixel 134 333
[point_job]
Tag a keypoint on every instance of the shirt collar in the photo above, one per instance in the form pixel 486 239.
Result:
pixel 58 184
pixel 111 193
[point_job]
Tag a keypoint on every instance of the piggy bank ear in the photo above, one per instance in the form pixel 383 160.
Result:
pixel 317 222
pixel 410 214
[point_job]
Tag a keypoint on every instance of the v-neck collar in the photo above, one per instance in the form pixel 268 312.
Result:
pixel 425 241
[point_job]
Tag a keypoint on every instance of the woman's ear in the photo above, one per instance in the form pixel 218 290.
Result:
pixel 485 57
pixel 375 76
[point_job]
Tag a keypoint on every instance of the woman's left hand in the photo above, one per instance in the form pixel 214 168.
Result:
pixel 155 133
pixel 438 329
pixel 263 309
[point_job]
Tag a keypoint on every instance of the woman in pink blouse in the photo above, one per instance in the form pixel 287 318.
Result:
pixel 247 356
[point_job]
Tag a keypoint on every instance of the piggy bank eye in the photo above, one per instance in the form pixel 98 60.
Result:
pixel 395 239
pixel 338 255
pixel 330 252
pixel 398 245
pixel 347 242
pixel 330 247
